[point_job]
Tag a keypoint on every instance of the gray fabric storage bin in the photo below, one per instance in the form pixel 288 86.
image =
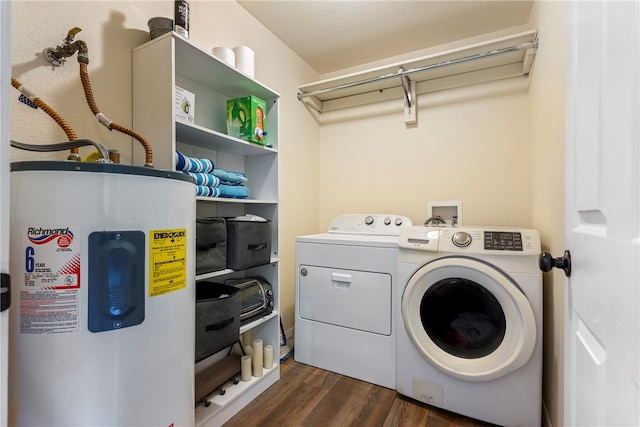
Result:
pixel 248 243
pixel 217 317
pixel 211 244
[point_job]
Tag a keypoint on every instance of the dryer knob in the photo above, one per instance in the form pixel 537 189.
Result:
pixel 398 221
pixel 387 221
pixel 461 239
pixel 368 220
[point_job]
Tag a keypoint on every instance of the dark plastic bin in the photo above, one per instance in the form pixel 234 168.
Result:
pixel 211 244
pixel 217 317
pixel 248 243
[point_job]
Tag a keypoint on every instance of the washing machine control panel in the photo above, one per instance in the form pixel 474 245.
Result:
pixel 461 239
pixel 419 238
pixel 503 240
pixel 472 240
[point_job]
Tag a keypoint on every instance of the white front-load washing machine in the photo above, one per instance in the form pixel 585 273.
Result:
pixel 469 324
pixel 345 297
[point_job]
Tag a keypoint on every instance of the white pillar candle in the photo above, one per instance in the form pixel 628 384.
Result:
pixel 268 356
pixel 245 368
pixel 257 357
pixel 246 340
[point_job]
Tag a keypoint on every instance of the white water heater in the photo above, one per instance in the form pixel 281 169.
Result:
pixel 102 318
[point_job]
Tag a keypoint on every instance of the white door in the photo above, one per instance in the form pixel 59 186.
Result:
pixel 5 87
pixel 602 220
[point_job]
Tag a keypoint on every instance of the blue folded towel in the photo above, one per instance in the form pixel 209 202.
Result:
pixel 234 191
pixel 190 164
pixel 229 177
pixel 206 191
pixel 204 178
pixel 226 191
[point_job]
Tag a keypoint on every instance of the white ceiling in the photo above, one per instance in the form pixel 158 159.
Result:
pixel 332 35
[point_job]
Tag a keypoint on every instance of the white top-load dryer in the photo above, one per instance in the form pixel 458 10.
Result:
pixel 345 297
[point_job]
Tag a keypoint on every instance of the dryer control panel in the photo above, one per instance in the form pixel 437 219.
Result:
pixel 372 224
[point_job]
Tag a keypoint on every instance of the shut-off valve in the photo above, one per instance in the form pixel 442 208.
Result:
pixel 56 56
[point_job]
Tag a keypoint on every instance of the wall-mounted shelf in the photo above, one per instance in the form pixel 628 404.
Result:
pixel 503 58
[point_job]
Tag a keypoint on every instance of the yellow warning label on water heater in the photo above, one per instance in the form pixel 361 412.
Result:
pixel 167 261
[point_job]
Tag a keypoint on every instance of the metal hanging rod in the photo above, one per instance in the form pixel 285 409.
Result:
pixel 402 72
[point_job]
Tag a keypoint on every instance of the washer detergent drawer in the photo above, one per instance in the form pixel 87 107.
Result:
pixel 347 298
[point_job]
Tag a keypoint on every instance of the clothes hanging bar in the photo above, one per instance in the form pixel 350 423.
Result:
pixel 402 73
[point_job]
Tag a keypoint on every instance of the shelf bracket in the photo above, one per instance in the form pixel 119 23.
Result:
pixel 410 104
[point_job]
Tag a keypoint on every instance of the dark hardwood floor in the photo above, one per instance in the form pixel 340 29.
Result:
pixel 312 397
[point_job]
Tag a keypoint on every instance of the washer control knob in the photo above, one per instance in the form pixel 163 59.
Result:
pixel 387 221
pixel 461 239
pixel 368 220
pixel 398 221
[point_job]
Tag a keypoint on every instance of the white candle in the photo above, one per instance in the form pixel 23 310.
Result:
pixel 246 340
pixel 245 368
pixel 257 357
pixel 268 356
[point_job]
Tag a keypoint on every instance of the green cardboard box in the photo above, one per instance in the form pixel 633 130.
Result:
pixel 248 114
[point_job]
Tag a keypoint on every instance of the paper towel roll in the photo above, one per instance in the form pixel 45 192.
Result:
pixel 268 356
pixel 245 368
pixel 257 358
pixel 225 55
pixel 245 60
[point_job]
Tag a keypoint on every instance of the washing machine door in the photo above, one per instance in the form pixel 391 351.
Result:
pixel 468 318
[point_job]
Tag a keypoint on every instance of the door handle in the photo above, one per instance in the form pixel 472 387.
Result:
pixel 546 262
pixel 342 281
pixel 5 292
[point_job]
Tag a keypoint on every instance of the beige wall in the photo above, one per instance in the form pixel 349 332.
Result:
pixel 547 104
pixel 470 144
pixel 111 30
pixel 472 149
pixel 497 147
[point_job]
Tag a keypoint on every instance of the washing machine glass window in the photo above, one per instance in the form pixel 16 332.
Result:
pixel 459 290
pixel 463 318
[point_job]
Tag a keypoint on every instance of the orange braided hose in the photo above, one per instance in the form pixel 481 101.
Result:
pixel 148 152
pixel 71 135
pixel 88 93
